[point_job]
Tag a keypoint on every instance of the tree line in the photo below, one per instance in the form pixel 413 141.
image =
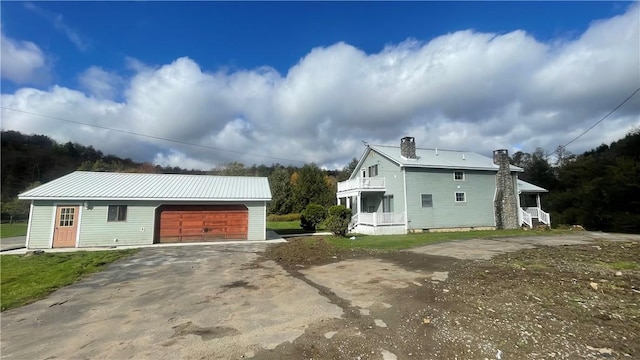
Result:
pixel 31 160
pixel 599 189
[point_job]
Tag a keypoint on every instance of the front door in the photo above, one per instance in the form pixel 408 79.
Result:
pixel 66 226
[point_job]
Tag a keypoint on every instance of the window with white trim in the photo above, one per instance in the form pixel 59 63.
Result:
pixel 458 175
pixel 427 200
pixel 461 197
pixel 117 213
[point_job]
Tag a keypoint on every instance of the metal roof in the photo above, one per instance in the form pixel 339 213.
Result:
pixel 440 159
pixel 83 185
pixel 526 187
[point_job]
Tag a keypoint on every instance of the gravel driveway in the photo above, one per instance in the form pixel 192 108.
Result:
pixel 230 302
pixel 193 302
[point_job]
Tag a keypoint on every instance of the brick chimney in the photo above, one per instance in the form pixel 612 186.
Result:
pixel 408 147
pixel 506 204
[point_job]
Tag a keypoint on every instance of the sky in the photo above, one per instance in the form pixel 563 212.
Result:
pixel 207 83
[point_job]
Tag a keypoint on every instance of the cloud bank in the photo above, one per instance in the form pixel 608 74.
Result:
pixel 465 90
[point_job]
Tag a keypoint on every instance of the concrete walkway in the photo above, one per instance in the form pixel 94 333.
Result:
pixel 12 243
pixel 272 238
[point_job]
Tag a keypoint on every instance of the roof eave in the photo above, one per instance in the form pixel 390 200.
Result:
pixel 54 198
pixel 454 167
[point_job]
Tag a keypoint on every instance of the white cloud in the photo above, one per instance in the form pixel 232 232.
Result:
pixel 101 83
pixel 465 90
pixel 22 62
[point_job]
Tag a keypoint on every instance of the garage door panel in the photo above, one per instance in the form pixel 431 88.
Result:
pixel 203 223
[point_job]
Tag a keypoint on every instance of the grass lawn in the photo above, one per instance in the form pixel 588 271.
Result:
pixel 15 229
pixel 27 278
pixel 288 227
pixel 397 242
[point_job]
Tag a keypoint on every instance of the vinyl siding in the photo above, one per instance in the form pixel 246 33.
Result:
pixel 394 184
pixel 41 225
pixel 138 229
pixel 257 220
pixel 478 186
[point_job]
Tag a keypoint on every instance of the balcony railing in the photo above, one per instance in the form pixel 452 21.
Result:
pixel 372 183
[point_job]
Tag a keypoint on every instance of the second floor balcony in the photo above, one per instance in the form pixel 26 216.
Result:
pixel 362 184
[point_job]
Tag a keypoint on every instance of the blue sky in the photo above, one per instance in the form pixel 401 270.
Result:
pixel 102 57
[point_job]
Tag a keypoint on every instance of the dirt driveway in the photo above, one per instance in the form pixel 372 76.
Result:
pixel 232 302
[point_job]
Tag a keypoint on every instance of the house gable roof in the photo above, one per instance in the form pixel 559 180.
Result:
pixel 83 185
pixel 525 187
pixel 439 159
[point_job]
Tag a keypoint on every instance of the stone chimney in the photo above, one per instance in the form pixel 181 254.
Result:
pixel 408 147
pixel 506 204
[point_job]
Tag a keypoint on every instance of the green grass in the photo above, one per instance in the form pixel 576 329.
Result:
pixel 27 278
pixel 288 227
pixel 624 265
pixel 397 242
pixel 15 229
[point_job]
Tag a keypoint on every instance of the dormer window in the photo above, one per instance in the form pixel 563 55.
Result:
pixel 458 175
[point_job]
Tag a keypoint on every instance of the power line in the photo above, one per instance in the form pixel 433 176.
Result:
pixel 597 122
pixel 150 136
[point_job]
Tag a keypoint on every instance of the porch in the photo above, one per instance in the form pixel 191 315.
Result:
pixel 378 223
pixel 531 213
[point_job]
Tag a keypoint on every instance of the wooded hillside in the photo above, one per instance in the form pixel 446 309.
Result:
pixel 599 189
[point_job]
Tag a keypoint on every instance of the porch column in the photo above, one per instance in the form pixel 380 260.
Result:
pixel 349 202
pixel 538 201
pixel 359 204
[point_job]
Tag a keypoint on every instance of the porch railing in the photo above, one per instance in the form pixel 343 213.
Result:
pixel 373 183
pixel 376 219
pixel 526 218
pixel 537 213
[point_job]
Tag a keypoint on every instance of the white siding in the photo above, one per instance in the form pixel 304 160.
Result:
pixel 41 224
pixel 257 220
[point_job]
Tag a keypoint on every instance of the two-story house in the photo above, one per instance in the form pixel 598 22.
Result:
pixel 395 190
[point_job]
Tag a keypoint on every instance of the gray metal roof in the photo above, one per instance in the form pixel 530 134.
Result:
pixel 83 185
pixel 441 159
pixel 526 187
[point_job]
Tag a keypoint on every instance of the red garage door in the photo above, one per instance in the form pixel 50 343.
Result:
pixel 196 223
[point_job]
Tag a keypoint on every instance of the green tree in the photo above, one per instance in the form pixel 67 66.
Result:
pixel 346 171
pixel 338 220
pixel 312 216
pixel 310 185
pixel 233 168
pixel 281 192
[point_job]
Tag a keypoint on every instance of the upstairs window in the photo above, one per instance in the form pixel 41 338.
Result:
pixel 458 175
pixel 461 197
pixel 373 170
pixel 117 213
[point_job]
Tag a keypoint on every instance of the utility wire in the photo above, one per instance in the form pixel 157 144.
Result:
pixel 596 123
pixel 150 136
